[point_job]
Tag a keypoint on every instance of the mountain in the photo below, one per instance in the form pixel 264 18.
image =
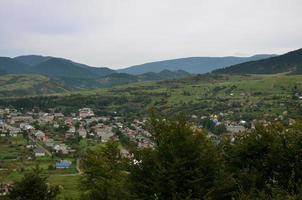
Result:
pixel 58 67
pixel 194 65
pixel 289 62
pixel 2 72
pixel 12 66
pixel 32 60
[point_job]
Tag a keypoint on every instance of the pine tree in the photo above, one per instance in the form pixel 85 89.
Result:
pixel 33 186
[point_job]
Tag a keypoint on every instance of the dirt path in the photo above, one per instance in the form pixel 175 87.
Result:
pixel 78 166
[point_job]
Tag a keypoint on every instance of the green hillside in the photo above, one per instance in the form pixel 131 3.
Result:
pixel 238 96
pixel 57 67
pixel 289 62
pixel 24 85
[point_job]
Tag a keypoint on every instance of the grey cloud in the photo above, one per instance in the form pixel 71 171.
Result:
pixel 118 33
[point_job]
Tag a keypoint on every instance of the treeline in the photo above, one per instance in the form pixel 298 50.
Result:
pixel 102 105
pixel 185 164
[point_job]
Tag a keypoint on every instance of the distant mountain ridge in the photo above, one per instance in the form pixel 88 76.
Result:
pixel 60 67
pixel 51 67
pixel 289 62
pixel 12 66
pixel 194 65
pixel 118 79
pixel 32 84
pixel 32 59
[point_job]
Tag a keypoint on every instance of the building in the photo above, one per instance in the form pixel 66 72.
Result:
pixel 86 112
pixel 235 128
pixel 39 152
pixel 20 119
pixel 70 133
pixel 26 127
pixel 40 135
pixel 58 115
pixel 63 164
pixel 46 118
pixel 61 148
pixel 82 132
pixel 104 133
pixel 13 131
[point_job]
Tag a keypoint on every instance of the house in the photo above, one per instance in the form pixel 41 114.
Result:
pixel 50 143
pixel 58 115
pixel 82 132
pixel 68 121
pixel 40 135
pixel 2 125
pixel 39 152
pixel 72 129
pixel 63 164
pixel 46 118
pixel 70 132
pixel 61 148
pixel 104 133
pixel 20 119
pixel 26 127
pixel 235 128
pixel 13 131
pixel 30 146
pixel 86 112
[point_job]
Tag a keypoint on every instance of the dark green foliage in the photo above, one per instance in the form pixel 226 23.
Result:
pixel 33 186
pixel 219 129
pixel 182 165
pixel 267 160
pixel 289 62
pixel 104 174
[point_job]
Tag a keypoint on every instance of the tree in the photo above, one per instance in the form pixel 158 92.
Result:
pixel 104 173
pixel 267 161
pixel 183 164
pixel 33 186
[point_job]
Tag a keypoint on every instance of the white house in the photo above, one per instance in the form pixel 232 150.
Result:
pixel 39 152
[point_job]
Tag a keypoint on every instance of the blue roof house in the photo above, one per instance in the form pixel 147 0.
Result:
pixel 63 164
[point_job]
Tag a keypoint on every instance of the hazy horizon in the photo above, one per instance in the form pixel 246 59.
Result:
pixel 118 34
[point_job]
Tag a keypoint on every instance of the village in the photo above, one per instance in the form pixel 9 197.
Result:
pixel 57 141
pixel 50 133
pixel 53 133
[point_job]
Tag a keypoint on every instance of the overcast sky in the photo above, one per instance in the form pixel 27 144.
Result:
pixel 120 33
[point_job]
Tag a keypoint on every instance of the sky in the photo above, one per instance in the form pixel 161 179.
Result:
pixel 121 33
